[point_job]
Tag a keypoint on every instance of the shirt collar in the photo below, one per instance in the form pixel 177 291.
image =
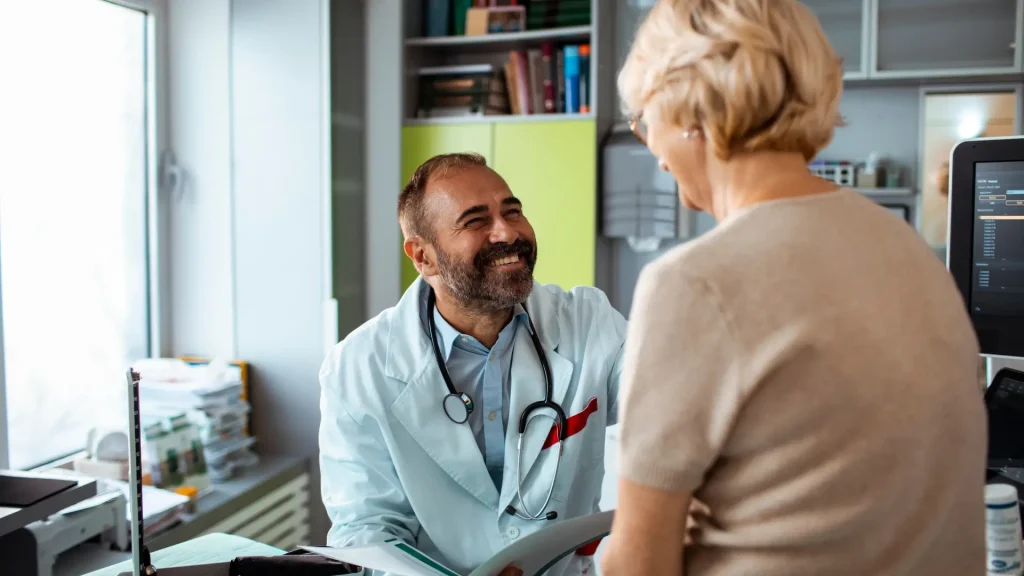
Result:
pixel 448 335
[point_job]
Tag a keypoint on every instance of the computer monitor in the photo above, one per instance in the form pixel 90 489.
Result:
pixel 985 241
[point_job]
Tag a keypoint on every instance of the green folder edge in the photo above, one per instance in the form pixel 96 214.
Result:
pixel 602 522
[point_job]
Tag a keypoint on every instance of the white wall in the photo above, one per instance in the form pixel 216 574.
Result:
pixel 200 271
pixel 249 231
pixel 279 121
pixel 384 108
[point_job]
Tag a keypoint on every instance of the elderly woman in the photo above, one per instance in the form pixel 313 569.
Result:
pixel 807 368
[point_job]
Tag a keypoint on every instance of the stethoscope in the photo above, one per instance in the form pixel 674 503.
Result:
pixel 458 406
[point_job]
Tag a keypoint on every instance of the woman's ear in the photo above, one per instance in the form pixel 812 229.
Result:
pixel 422 255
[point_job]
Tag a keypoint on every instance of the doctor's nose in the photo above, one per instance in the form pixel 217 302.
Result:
pixel 502 232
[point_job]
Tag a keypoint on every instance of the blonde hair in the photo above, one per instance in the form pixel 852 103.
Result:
pixel 754 75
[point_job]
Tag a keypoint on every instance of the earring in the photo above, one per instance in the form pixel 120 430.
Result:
pixel 691 134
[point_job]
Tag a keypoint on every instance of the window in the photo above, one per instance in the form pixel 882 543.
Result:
pixel 74 281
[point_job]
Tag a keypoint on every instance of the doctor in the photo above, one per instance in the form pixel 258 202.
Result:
pixel 472 413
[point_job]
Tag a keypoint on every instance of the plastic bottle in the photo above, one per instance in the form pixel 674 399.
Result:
pixel 1002 530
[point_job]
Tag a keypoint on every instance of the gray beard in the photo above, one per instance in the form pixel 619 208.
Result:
pixel 483 292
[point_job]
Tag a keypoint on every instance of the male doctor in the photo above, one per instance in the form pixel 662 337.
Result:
pixel 422 406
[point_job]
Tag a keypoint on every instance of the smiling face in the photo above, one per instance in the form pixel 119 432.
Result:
pixel 482 248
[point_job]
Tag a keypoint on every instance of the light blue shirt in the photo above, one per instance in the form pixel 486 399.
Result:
pixel 484 375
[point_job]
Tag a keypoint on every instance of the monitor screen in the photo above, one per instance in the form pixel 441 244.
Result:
pixel 997 283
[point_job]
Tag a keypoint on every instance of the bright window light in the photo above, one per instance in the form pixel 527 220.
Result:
pixel 73 187
pixel 970 126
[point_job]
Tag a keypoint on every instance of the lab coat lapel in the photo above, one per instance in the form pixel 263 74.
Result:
pixel 527 387
pixel 419 406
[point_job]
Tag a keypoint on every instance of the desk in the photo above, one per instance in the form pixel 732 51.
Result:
pixel 12 519
pixel 202 550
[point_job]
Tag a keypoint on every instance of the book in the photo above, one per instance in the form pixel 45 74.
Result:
pixel 550 70
pixel 572 78
pixel 470 90
pixel 437 18
pixel 535 65
pixel 533 554
pixel 584 75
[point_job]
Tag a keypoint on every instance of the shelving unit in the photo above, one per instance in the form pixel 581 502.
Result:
pixel 499 119
pixel 422 52
pixel 548 159
pixel 504 40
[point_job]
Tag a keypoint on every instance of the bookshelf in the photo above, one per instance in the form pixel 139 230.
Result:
pixel 442 57
pixel 550 158
pixel 498 119
pixel 505 39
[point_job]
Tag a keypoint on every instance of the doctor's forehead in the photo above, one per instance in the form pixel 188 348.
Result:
pixel 450 195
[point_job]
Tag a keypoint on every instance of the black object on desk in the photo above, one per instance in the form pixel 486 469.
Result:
pixel 22 492
pixel 28 498
pixel 1004 403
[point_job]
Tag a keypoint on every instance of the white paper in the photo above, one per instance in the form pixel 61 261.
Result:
pixel 384 557
pixel 157 501
pixel 539 550
pixel 531 554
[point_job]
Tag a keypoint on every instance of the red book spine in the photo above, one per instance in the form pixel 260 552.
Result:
pixel 548 51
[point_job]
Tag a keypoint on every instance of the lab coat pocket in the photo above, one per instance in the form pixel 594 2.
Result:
pixel 580 564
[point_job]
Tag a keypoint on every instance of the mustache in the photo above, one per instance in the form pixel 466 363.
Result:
pixel 520 247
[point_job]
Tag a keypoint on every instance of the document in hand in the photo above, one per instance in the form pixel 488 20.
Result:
pixel 534 554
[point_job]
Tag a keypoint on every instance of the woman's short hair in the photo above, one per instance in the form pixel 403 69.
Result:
pixel 755 75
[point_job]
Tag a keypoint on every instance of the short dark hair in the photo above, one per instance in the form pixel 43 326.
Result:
pixel 410 201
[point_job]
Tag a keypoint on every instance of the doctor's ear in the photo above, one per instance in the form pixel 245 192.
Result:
pixel 422 255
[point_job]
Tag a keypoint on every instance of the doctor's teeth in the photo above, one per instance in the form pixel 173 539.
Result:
pixel 506 260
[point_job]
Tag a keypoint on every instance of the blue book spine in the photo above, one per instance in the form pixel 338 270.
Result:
pixel 572 79
pixel 437 18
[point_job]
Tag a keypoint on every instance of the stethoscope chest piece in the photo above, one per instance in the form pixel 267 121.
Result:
pixel 458 407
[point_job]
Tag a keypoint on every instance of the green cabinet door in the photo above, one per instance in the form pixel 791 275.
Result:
pixel 552 168
pixel 420 143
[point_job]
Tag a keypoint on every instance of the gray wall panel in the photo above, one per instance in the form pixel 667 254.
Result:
pixel 278 86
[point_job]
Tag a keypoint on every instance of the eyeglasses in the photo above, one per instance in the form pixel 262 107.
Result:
pixel 639 128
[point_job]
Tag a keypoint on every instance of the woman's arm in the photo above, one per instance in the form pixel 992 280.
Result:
pixel 648 531
pixel 681 392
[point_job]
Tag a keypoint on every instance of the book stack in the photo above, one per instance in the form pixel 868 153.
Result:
pixel 544 14
pixel 474 90
pixel 194 417
pixel 448 17
pixel 549 79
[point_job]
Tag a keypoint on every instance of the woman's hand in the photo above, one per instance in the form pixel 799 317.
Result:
pixel 650 531
pixel 699 513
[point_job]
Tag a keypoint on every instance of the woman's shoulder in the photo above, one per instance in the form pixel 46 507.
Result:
pixel 689 268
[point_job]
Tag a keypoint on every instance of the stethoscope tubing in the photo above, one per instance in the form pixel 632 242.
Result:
pixel 456 398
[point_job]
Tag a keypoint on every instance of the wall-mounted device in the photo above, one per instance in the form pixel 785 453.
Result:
pixel 639 201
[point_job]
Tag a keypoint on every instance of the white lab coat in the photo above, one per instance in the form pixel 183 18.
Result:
pixel 393 465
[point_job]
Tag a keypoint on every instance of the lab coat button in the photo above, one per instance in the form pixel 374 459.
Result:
pixel 512 532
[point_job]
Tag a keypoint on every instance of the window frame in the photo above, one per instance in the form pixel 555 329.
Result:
pixel 156 213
